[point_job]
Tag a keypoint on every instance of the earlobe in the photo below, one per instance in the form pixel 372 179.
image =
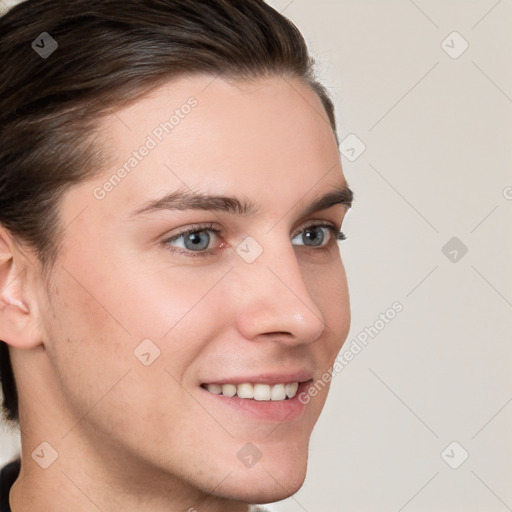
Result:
pixel 17 321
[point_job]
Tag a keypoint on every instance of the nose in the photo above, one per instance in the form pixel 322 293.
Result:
pixel 274 300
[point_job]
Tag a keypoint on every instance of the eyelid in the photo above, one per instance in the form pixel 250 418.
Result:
pixel 318 223
pixel 194 228
pixel 334 232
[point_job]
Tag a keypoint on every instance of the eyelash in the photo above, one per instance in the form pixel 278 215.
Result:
pixel 336 236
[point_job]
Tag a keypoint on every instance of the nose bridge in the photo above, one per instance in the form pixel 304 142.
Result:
pixel 275 298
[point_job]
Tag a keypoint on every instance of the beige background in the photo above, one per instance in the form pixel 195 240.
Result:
pixel 436 165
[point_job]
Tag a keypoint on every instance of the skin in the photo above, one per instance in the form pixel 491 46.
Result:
pixel 133 437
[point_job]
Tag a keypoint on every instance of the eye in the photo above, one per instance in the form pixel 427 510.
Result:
pixel 196 240
pixel 313 236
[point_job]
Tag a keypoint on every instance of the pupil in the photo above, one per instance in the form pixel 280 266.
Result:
pixel 312 236
pixel 193 241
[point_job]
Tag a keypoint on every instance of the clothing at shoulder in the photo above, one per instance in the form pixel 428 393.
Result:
pixel 8 475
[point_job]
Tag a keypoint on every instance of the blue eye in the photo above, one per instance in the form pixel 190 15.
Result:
pixel 314 237
pixel 196 240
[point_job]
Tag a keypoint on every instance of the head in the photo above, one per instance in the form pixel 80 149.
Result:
pixel 114 323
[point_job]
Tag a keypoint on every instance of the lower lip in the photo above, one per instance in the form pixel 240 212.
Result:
pixel 266 410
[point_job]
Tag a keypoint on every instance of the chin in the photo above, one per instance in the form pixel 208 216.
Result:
pixel 271 479
pixel 284 486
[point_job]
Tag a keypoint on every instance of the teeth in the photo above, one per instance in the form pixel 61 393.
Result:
pixel 291 389
pixel 278 392
pixel 260 392
pixel 228 390
pixel 215 388
pixel 245 391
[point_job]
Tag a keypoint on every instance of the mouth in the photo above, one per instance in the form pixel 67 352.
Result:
pixel 267 402
pixel 259 391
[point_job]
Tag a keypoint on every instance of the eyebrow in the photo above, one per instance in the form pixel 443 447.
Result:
pixel 188 200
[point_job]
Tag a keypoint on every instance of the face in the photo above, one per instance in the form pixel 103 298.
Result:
pixel 141 318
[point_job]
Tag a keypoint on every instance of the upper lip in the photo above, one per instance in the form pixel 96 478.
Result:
pixel 267 378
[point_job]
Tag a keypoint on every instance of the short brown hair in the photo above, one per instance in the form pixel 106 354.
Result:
pixel 109 54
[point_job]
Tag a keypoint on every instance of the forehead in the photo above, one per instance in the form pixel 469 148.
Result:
pixel 208 134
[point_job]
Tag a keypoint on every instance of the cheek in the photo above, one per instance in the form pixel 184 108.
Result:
pixel 339 304
pixel 86 346
pixel 328 287
pixel 100 319
pixel 94 332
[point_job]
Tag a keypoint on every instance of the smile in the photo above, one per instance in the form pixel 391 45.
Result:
pixel 260 391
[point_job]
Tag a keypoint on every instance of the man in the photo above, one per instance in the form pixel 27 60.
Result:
pixel 171 198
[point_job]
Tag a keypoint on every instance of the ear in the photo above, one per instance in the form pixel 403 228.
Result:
pixel 18 322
